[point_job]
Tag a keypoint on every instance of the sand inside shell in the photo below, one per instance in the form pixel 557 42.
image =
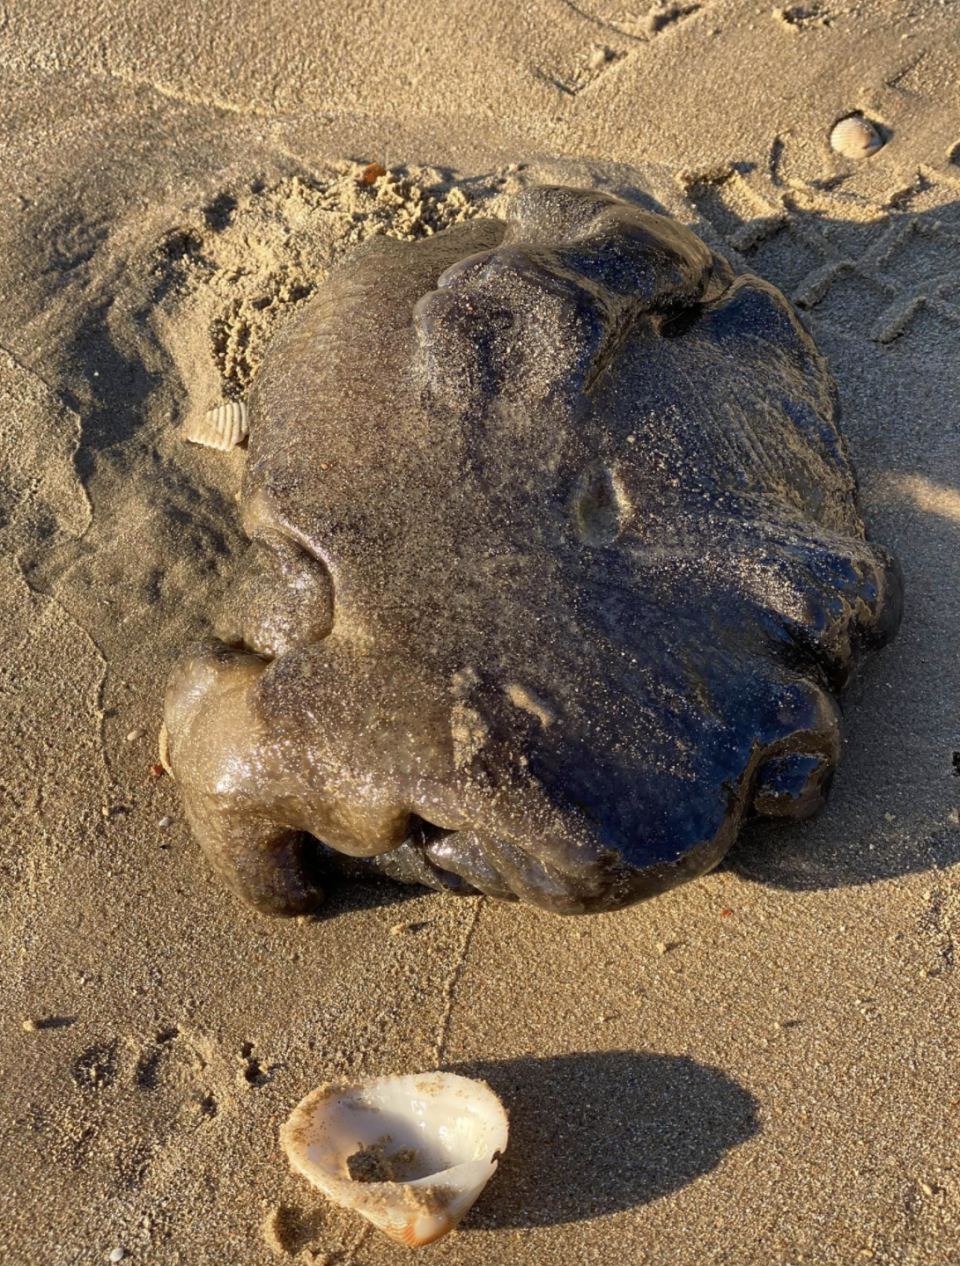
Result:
pixel 375 1162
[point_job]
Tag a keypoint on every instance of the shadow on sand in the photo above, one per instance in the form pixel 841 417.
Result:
pixel 605 1131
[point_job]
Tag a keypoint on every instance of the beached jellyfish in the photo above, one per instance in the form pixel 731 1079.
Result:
pixel 556 570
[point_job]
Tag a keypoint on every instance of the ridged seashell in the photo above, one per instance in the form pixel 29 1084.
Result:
pixel 222 428
pixel 411 1154
pixel 854 137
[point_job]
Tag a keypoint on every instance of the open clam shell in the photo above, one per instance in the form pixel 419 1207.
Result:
pixel 411 1153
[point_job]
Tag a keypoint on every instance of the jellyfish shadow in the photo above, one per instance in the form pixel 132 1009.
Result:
pixel 599 1132
pixel 802 858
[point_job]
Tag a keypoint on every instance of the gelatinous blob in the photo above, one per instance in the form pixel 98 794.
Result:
pixel 601 506
pixel 556 569
pixel 281 597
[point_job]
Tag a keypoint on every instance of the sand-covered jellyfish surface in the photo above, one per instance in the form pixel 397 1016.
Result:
pixel 409 1153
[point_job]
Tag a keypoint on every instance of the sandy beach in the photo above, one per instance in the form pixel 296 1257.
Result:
pixel 760 1067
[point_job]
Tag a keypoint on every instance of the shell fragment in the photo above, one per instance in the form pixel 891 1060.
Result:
pixel 222 428
pixel 411 1154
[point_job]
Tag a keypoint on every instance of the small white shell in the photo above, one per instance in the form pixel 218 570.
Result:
pixel 222 428
pixel 855 138
pixel 428 1142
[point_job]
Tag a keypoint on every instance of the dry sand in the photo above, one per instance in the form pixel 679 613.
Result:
pixel 759 1068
